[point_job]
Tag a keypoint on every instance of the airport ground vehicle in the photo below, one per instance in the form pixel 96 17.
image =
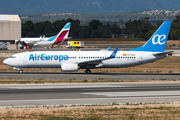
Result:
pixel 75 44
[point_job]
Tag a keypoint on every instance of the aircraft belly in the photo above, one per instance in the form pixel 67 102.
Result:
pixel 120 63
pixel 41 64
pixel 44 43
pixel 48 64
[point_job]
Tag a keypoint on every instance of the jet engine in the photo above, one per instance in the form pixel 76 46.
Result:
pixel 69 67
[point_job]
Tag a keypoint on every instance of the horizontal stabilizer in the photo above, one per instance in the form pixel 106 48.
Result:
pixel 164 53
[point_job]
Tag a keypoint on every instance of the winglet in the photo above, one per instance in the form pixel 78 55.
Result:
pixel 109 48
pixel 114 53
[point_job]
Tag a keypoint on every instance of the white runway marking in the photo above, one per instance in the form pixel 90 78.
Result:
pixel 142 93
pixel 70 85
pixel 82 99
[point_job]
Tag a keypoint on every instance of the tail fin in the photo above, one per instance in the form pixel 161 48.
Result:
pixel 157 42
pixel 63 34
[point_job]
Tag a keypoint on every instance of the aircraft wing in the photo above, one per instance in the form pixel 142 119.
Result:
pixel 98 61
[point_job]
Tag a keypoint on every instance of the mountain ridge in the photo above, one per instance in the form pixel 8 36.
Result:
pixel 23 7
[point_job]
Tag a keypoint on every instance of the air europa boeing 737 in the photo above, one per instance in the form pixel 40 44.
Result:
pixel 74 60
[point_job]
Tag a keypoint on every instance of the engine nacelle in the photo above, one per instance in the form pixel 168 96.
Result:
pixel 69 67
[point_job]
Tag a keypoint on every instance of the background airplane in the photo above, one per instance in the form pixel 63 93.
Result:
pixel 61 37
pixel 70 61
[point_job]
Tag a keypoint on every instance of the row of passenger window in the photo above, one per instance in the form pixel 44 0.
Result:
pixel 125 57
pixel 101 57
pixel 85 57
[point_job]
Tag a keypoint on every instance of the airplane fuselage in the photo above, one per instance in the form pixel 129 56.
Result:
pixel 54 59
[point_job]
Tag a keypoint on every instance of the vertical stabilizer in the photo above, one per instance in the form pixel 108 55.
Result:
pixel 63 34
pixel 157 42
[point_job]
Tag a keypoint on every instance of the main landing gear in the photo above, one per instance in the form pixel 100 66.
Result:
pixel 88 71
pixel 21 71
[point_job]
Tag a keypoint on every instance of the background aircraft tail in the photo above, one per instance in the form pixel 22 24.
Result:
pixel 63 34
pixel 157 42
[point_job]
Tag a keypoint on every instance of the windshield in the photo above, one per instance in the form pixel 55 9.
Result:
pixel 13 57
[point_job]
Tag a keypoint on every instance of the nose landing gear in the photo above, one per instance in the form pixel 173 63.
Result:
pixel 88 71
pixel 21 71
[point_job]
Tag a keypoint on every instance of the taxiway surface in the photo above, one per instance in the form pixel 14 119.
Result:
pixel 88 93
pixel 83 76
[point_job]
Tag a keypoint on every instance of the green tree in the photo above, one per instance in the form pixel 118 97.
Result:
pixel 177 19
pixel 84 32
pixel 28 29
pixel 93 24
pixel 116 29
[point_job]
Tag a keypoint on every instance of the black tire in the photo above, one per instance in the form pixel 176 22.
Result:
pixel 88 71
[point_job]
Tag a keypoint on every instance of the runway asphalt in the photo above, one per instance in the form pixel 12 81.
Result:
pixel 31 75
pixel 97 93
pixel 88 93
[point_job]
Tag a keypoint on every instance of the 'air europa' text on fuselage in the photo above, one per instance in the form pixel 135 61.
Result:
pixel 44 57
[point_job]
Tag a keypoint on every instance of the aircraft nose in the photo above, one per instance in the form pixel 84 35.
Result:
pixel 6 61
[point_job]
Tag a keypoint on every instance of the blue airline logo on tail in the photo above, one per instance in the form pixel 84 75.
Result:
pixel 160 39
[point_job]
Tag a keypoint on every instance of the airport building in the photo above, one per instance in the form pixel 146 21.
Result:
pixel 10 29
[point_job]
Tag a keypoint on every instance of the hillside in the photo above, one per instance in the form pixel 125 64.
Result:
pixel 23 7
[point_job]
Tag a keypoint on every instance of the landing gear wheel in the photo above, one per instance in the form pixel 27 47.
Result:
pixel 88 71
pixel 20 71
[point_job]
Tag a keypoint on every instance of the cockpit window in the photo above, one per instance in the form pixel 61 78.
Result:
pixel 13 57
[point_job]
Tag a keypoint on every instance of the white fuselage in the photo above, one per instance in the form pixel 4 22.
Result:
pixel 37 41
pixel 54 59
